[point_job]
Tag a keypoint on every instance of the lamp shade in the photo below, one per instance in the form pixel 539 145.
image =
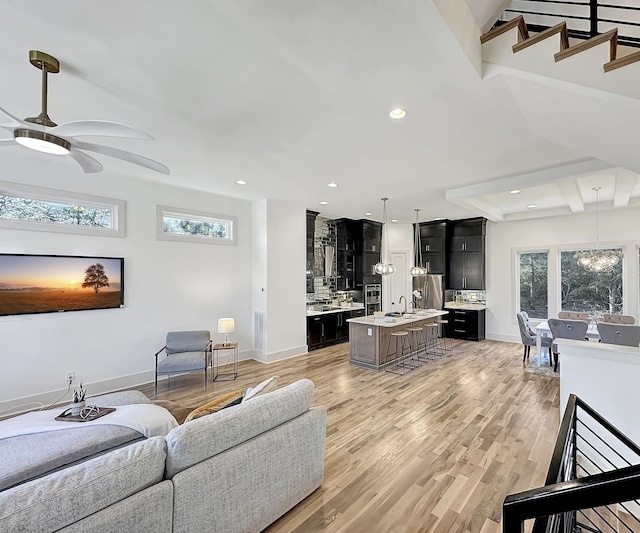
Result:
pixel 226 325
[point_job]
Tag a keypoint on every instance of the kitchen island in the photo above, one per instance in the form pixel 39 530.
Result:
pixel 368 337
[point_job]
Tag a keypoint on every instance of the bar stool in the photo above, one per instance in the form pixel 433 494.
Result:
pixel 417 344
pixel 446 340
pixel 431 339
pixel 397 358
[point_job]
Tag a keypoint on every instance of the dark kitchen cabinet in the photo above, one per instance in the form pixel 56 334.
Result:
pixel 315 332
pixel 311 229
pixel 467 255
pixel 467 324
pixel 358 245
pixel 330 328
pixel 433 245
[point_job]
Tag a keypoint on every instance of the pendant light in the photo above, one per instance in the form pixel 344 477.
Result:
pixel 384 267
pixel 598 260
pixel 418 269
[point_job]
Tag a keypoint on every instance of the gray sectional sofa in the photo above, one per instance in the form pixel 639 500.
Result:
pixel 237 470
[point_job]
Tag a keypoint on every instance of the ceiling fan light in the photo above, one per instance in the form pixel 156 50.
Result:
pixel 42 142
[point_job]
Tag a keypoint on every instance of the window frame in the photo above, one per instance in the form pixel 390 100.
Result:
pixel 165 210
pixel 44 194
pixel 516 287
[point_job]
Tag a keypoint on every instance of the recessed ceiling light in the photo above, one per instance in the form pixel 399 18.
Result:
pixel 397 113
pixel 514 191
pixel 367 214
pixel 241 182
pixel 332 185
pixel 324 203
pixel 531 206
pixel 394 220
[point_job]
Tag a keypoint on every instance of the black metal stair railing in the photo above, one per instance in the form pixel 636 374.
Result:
pixel 584 18
pixel 592 485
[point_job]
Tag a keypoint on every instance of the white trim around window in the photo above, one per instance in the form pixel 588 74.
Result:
pixel 229 222
pixel 115 206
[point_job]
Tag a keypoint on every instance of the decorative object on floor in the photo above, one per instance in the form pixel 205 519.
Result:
pixel 418 269
pixel 384 267
pixel 73 283
pixel 42 134
pixel 268 385
pixel 226 326
pixel 217 404
pixel 598 260
pixel 186 351
pixel 545 369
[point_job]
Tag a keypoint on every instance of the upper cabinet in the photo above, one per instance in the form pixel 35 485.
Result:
pixel 433 244
pixel 358 245
pixel 311 228
pixel 466 268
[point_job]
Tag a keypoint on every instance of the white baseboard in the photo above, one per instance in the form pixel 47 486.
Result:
pixel 504 338
pixel 267 358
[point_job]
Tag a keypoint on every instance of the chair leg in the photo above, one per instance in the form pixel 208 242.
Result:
pixel 156 382
pixel 524 355
pixel 555 362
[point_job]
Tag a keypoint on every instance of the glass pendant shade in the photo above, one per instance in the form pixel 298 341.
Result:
pixel 384 267
pixel 418 269
pixel 598 260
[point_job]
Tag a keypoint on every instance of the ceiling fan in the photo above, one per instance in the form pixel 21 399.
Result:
pixel 42 134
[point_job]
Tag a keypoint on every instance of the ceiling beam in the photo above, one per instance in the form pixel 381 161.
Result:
pixel 571 193
pixel 625 182
pixel 482 208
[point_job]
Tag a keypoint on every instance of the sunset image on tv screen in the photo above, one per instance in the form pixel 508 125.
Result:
pixel 44 284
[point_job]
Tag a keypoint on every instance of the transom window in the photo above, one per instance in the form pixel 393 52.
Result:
pixel 40 209
pixel 587 291
pixel 194 226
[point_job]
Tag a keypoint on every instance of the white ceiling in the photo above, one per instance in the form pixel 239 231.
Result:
pixel 284 94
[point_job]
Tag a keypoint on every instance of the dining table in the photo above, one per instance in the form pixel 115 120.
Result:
pixel 543 330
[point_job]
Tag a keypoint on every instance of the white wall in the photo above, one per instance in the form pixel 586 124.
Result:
pixel 168 286
pixel 618 227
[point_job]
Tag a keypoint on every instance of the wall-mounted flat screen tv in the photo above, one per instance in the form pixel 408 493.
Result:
pixel 54 283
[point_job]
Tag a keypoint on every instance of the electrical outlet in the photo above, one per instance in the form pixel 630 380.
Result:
pixel 71 376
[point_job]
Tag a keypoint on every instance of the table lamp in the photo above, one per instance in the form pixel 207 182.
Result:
pixel 226 326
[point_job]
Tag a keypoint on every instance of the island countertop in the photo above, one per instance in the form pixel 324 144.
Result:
pixel 399 321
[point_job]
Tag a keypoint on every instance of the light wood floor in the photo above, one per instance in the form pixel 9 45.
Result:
pixel 435 450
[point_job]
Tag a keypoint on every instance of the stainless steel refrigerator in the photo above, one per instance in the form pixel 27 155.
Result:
pixel 430 288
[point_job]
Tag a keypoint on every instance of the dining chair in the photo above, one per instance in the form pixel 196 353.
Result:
pixel 573 315
pixel 619 319
pixel 620 334
pixel 566 329
pixel 528 336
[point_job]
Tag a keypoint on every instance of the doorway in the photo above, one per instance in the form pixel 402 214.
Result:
pixel 396 284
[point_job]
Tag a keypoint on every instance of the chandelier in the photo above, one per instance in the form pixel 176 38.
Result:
pixel 598 260
pixel 418 269
pixel 384 267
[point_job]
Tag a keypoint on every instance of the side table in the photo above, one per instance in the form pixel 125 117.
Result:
pixel 231 356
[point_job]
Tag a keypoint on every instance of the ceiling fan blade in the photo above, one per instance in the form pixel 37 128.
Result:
pixel 125 156
pixel 102 128
pixel 88 163
pixel 9 122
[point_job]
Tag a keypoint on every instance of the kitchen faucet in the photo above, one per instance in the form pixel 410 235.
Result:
pixel 405 302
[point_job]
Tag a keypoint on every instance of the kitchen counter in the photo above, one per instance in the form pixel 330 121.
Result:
pixel 465 306
pixel 369 337
pixel 336 309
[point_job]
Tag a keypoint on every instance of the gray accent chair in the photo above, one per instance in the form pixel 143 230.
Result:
pixel 573 315
pixel 619 319
pixel 566 329
pixel 529 337
pixel 620 334
pixel 186 351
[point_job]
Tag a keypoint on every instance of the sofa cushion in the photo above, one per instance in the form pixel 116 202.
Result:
pixel 205 437
pixel 216 405
pixel 85 488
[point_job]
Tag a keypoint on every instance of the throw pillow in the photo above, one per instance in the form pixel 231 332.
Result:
pixel 232 398
pixel 267 385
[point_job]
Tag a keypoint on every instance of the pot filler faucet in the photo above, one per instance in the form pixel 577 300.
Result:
pixel 405 302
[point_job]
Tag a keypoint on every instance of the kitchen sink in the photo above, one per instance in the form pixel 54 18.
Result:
pixel 394 313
